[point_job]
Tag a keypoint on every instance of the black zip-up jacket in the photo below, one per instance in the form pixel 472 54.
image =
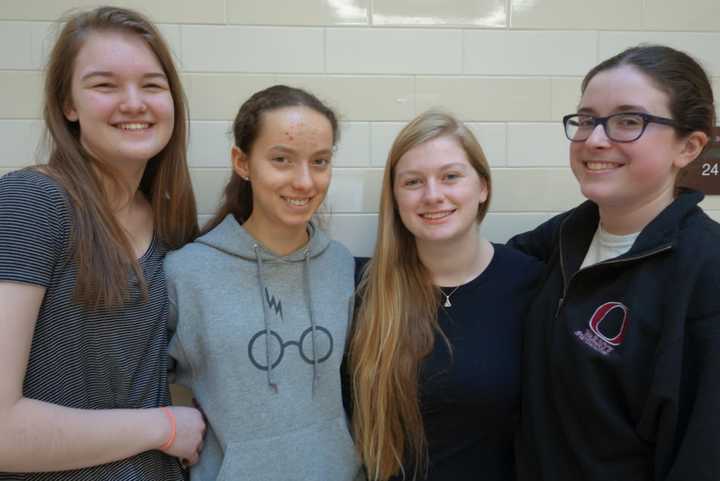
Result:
pixel 621 369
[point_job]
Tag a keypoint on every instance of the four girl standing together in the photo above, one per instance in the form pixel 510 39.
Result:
pixel 613 354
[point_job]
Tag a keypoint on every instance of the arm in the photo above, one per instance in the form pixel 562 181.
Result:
pixel 39 436
pixel 539 242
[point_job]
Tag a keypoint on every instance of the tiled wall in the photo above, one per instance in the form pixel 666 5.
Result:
pixel 510 68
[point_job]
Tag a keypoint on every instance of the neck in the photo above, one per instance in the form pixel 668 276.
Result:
pixel 280 240
pixel 623 220
pixel 455 262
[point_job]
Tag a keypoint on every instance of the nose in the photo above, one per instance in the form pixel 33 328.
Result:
pixel 302 177
pixel 432 192
pixel 133 101
pixel 598 137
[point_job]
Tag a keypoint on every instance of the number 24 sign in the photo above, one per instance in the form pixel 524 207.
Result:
pixel 704 173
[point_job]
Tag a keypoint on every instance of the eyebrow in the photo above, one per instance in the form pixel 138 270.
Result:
pixel 107 73
pixel 618 109
pixel 289 150
pixel 450 165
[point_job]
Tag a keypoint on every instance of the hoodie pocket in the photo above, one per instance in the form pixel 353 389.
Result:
pixel 321 452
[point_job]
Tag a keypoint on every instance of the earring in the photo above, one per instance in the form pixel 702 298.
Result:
pixel 246 178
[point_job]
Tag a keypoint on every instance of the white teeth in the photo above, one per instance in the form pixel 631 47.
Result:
pixel 436 215
pixel 600 165
pixel 135 126
pixel 298 202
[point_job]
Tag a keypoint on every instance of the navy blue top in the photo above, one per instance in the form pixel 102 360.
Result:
pixel 470 399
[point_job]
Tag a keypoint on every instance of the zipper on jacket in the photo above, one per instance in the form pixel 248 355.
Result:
pixel 566 283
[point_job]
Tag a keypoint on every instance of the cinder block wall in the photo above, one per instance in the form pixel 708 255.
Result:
pixel 510 68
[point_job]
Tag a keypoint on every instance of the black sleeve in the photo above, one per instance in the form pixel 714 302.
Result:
pixel 692 448
pixel 33 230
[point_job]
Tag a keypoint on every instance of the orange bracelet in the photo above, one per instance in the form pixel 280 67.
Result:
pixel 173 429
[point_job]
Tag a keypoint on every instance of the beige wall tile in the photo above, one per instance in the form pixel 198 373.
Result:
pixel 356 231
pixel 393 51
pixel 534 190
pixel 565 96
pixel 298 12
pixel 219 96
pixel 361 98
pixel 537 145
pixel 19 142
pixel 501 226
pixel 493 140
pixel 20 95
pixel 172 11
pixel 714 214
pixel 690 15
pixel 354 147
pixel 210 143
pixel 702 46
pixel 252 49
pixel 354 190
pixel 711 202
pixel 486 99
pixel 577 14
pixel 16 46
pixel 489 52
pixel 208 185
pixel 382 136
pixel 470 13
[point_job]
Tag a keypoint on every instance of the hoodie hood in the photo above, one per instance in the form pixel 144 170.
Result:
pixel 231 238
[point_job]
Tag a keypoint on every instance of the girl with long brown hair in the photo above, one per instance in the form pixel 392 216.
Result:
pixel 83 302
pixel 435 351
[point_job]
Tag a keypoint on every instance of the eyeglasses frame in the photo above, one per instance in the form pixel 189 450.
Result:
pixel 647 119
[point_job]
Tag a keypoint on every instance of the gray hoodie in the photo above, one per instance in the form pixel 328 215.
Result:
pixel 259 340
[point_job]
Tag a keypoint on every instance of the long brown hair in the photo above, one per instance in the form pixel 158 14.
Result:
pixel 238 196
pixel 101 247
pixel 396 322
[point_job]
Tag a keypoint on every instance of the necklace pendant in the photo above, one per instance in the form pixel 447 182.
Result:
pixel 447 302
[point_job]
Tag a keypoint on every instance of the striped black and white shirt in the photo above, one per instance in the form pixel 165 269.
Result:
pixel 79 358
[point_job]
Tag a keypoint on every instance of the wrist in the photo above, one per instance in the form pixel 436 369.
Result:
pixel 171 430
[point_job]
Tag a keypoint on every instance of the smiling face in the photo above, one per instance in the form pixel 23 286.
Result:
pixel 121 99
pixel 627 177
pixel 289 170
pixel 438 192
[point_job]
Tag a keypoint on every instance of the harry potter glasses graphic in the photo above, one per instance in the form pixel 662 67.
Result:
pixel 256 347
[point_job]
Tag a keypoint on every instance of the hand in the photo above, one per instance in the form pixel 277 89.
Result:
pixel 190 430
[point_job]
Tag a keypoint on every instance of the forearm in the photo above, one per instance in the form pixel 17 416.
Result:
pixel 39 436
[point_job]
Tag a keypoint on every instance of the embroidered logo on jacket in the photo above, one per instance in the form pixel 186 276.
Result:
pixel 607 327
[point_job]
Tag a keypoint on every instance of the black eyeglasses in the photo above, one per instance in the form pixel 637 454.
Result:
pixel 622 127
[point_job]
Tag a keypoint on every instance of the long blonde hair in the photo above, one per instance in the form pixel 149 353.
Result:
pixel 396 322
pixel 101 248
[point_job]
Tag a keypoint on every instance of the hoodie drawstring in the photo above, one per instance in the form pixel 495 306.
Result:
pixel 261 283
pixel 308 299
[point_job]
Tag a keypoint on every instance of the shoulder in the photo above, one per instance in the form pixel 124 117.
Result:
pixel 31 185
pixel 515 265
pixel 339 252
pixel 186 260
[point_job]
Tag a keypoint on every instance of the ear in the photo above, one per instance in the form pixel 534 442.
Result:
pixel 240 162
pixel 70 112
pixel 483 191
pixel 693 146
